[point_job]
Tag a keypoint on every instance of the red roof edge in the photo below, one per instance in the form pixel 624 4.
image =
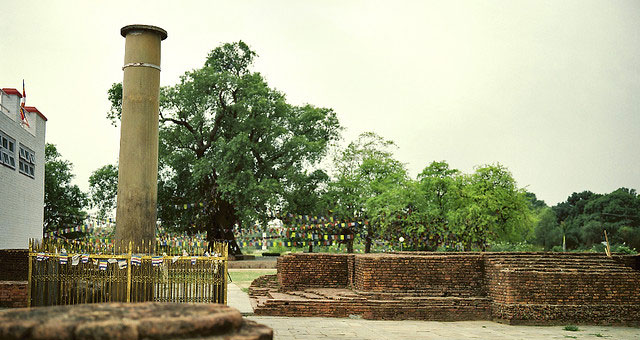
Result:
pixel 11 91
pixel 33 109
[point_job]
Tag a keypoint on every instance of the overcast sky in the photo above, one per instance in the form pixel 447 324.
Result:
pixel 550 89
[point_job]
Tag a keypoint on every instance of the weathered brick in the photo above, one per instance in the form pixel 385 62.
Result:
pixel 538 288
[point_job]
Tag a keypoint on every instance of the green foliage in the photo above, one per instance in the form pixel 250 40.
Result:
pixel 534 203
pixel 63 202
pixel 490 208
pixel 103 189
pixel 364 169
pixel 615 248
pixel 115 98
pixel 571 328
pixel 514 247
pixel 368 184
pixel 548 232
pixel 230 141
pixel 442 208
pixel 584 217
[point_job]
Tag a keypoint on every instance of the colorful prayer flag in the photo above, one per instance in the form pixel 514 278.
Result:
pixel 64 258
pixel 136 260
pixel 156 261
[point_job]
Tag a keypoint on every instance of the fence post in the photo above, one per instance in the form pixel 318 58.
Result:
pixel 226 259
pixel 129 274
pixel 29 277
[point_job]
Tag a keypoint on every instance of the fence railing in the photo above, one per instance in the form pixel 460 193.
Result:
pixel 66 272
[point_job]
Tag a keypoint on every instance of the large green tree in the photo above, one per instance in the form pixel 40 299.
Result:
pixel 491 208
pixel 365 171
pixel 63 202
pixel 445 208
pixel 231 142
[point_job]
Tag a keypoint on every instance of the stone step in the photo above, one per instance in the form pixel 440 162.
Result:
pixel 444 309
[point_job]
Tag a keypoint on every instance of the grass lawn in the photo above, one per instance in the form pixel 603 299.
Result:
pixel 244 277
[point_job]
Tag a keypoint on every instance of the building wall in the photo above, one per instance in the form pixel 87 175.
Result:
pixel 21 197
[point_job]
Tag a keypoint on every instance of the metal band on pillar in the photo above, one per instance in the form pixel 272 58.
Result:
pixel 141 65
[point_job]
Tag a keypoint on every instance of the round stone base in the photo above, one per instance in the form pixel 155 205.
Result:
pixel 130 321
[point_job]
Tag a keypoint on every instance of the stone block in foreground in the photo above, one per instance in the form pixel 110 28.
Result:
pixel 130 321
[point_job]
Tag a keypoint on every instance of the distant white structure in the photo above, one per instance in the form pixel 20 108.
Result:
pixel 22 134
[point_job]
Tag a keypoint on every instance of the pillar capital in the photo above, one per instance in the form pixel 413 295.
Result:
pixel 132 28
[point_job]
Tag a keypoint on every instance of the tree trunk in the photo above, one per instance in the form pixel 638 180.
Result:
pixel 367 244
pixel 219 219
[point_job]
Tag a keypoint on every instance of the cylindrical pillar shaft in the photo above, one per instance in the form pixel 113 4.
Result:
pixel 136 210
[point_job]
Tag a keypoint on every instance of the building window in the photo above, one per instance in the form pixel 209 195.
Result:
pixel 7 151
pixel 27 161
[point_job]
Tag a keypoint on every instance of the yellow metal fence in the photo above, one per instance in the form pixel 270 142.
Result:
pixel 67 272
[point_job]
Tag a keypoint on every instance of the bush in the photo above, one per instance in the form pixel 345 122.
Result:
pixel 615 248
pixel 515 247
pixel 571 328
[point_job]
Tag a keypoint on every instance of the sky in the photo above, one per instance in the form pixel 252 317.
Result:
pixel 549 89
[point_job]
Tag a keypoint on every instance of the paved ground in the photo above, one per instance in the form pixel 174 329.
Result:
pixel 238 299
pixel 286 328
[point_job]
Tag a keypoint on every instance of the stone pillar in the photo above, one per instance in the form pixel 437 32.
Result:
pixel 136 211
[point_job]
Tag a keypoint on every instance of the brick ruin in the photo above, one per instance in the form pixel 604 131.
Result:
pixel 14 271
pixel 516 288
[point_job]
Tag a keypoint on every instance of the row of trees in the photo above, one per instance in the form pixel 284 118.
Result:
pixel 583 217
pixel 441 207
pixel 231 142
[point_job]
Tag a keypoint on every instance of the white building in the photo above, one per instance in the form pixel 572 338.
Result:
pixel 21 171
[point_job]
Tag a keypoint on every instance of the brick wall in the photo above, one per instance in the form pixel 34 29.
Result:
pixel 452 275
pixel 527 288
pixel 561 288
pixel 297 271
pixel 14 265
pixel 631 261
pixel 13 294
pixel 438 309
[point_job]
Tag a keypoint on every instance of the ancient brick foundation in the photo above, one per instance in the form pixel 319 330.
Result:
pixel 13 294
pixel 14 271
pixel 14 264
pixel 524 288
pixel 316 270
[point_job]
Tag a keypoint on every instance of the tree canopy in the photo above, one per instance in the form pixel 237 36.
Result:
pixel 237 148
pixel 103 189
pixel 442 207
pixel 584 216
pixel 63 201
pixel 231 142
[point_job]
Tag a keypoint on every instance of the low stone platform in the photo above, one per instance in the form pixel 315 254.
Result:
pixel 515 288
pixel 342 303
pixel 131 321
